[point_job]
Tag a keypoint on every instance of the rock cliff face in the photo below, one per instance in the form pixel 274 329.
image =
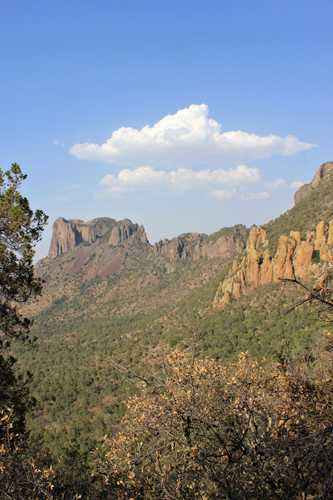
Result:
pixel 196 246
pixel 173 250
pixel 178 248
pixel 292 259
pixel 325 171
pixel 225 246
pixel 68 234
pixel 126 230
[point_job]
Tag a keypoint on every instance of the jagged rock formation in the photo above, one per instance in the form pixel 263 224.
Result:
pixel 126 230
pixel 292 259
pixel 68 234
pixel 196 245
pixel 225 246
pixel 116 262
pixel 324 172
pixel 177 248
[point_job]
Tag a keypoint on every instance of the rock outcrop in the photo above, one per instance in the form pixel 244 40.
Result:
pixel 324 172
pixel 126 230
pixel 225 246
pixel 293 259
pixel 174 250
pixel 68 234
pixel 196 246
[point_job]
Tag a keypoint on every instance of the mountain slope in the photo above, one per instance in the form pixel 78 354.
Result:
pixel 122 271
pixel 313 203
pixel 295 257
pixel 109 294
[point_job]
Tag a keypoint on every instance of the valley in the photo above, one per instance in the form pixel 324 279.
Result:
pixel 109 297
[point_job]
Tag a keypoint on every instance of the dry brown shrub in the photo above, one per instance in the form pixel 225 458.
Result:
pixel 22 475
pixel 243 431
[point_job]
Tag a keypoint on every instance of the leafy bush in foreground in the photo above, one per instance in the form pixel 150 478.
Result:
pixel 242 431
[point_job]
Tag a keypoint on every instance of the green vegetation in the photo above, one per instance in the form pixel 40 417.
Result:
pixel 304 216
pixel 199 429
pixel 316 256
pixel 81 394
pixel 20 229
pixel 238 230
pixel 149 341
pixel 91 256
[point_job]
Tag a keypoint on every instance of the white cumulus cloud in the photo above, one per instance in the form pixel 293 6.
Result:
pixel 296 185
pixel 183 139
pixel 275 184
pixel 257 196
pixel 216 183
pixel 221 195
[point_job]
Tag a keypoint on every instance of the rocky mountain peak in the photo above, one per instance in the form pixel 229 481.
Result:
pixel 68 234
pixel 126 230
pixel 324 172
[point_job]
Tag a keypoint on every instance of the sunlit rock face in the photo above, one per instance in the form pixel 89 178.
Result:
pixel 196 246
pixel 126 230
pixel 293 259
pixel 68 234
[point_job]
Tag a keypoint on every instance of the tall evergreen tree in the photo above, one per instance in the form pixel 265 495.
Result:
pixel 20 230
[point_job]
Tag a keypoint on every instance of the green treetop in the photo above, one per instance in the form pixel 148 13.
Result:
pixel 20 230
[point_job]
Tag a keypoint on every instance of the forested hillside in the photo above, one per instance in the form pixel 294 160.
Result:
pixel 314 205
pixel 111 301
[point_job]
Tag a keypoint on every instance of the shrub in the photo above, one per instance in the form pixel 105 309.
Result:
pixel 242 431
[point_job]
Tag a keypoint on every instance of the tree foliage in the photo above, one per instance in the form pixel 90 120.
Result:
pixel 22 476
pixel 20 230
pixel 242 431
pixel 28 471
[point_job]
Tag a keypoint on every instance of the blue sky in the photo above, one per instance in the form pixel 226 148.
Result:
pixel 179 115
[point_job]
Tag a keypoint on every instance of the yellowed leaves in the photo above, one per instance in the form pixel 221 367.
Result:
pixel 212 421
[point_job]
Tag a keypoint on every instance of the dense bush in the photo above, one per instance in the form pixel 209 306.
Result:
pixel 241 431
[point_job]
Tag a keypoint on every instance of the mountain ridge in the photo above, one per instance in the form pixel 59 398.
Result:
pixel 324 172
pixel 119 252
pixel 295 257
pixel 104 248
pixel 105 303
